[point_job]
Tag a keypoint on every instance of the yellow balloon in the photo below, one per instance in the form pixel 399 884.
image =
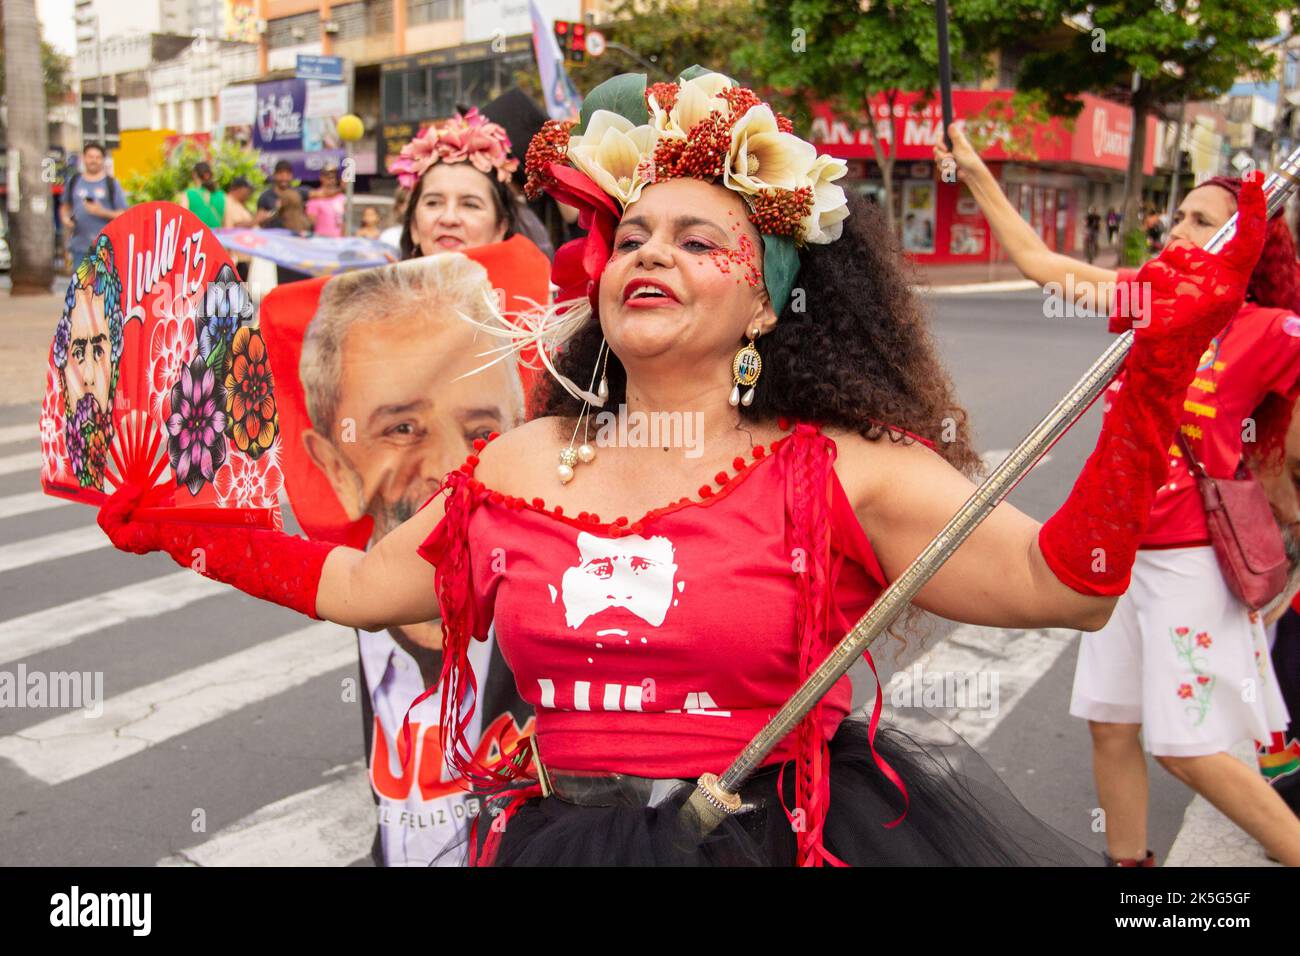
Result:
pixel 351 128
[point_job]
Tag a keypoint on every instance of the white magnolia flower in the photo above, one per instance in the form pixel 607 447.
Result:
pixel 696 99
pixel 830 207
pixel 613 152
pixel 762 157
pixel 661 119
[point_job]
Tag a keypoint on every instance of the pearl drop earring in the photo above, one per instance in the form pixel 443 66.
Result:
pixel 585 453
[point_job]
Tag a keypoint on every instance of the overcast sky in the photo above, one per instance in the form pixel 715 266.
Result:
pixel 57 24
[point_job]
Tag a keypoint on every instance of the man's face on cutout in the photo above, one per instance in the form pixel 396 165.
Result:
pixel 403 419
pixel 90 355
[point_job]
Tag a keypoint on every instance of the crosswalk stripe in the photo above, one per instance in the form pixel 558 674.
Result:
pixel 1016 659
pixel 75 743
pixel 27 461
pixel 329 825
pixel 62 544
pixel 13 433
pixel 22 637
pixel 29 501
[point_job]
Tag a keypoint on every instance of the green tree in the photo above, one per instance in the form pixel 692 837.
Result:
pixel 1180 50
pixel 54 70
pixel 175 170
pixel 844 53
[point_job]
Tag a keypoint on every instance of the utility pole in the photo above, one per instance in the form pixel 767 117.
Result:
pixel 30 173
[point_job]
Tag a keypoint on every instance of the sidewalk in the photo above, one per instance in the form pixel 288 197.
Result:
pixel 26 330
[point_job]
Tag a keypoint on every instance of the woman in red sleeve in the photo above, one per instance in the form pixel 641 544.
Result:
pixel 771 458
pixel 1182 660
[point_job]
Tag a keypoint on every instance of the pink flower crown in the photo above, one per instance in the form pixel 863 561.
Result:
pixel 470 137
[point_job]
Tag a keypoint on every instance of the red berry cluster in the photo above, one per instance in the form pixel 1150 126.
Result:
pixel 549 145
pixel 778 212
pixel 665 95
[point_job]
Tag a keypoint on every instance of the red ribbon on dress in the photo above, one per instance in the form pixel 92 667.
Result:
pixel 807 501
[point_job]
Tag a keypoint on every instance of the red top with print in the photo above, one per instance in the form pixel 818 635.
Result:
pixel 1257 353
pixel 660 646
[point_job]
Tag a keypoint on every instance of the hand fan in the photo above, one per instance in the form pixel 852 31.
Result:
pixel 158 377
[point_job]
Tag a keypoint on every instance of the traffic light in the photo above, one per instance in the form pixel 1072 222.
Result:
pixel 578 42
pixel 572 37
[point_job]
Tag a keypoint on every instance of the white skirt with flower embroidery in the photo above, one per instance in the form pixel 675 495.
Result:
pixel 1182 657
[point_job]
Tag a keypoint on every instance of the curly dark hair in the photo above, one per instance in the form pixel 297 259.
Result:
pixel 505 199
pixel 852 349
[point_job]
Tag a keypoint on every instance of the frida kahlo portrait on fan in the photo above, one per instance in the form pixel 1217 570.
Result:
pixel 725 273
pixel 86 351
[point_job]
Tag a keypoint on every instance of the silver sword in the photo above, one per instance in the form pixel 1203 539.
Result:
pixel 716 797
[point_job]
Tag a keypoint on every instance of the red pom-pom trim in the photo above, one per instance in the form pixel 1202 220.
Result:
pixel 738 463
pixel 539 503
pixel 720 478
pixel 706 491
pixel 479 444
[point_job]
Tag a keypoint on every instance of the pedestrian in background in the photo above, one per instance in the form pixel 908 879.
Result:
pixel 1091 233
pixel 369 228
pixel 1112 226
pixel 237 196
pixel 91 200
pixel 393 234
pixel 326 205
pixel 269 201
pixel 204 199
pixel 1166 670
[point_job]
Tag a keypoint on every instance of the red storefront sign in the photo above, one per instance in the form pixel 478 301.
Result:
pixel 1100 136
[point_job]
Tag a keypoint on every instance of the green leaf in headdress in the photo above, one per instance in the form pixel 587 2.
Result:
pixel 623 94
pixel 780 266
pixel 691 72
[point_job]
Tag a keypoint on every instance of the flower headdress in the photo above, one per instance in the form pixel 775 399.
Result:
pixel 631 135
pixel 468 137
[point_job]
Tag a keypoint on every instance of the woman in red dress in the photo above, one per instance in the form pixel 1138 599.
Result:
pixel 786 442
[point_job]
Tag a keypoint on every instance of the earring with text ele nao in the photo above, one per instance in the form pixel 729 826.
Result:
pixel 744 371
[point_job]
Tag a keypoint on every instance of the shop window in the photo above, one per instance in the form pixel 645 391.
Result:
pixel 433 11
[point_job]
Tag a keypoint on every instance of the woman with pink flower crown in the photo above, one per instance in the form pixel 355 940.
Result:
pixel 458 173
pixel 656 607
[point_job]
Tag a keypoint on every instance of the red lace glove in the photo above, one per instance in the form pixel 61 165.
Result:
pixel 1091 542
pixel 271 565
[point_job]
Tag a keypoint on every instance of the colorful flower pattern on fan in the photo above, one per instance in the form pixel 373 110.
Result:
pixel 251 422
pixel 1199 690
pixel 225 307
pixel 196 443
pixel 171 348
pixel 250 482
pixel 54 440
pixel 147 330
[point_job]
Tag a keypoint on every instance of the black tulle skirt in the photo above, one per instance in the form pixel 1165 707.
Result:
pixel 958 814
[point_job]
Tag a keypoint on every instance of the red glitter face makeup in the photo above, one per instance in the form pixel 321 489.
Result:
pixel 743 259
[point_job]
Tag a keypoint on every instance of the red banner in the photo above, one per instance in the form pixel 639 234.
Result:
pixel 1100 135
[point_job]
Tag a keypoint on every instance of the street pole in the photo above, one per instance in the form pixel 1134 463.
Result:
pixel 99 87
pixel 1176 179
